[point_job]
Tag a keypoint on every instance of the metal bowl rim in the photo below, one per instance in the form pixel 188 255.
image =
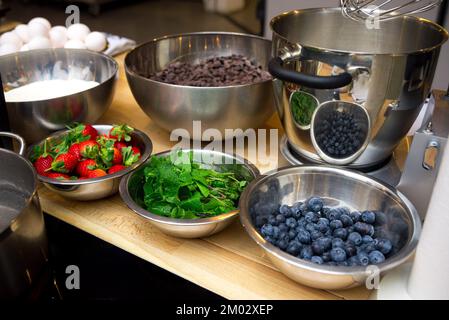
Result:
pixel 401 256
pixel 146 154
pixel 126 197
pixel 351 158
pixel 437 27
pixel 113 75
pixel 134 74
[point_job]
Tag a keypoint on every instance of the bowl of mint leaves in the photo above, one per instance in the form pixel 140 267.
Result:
pixel 188 193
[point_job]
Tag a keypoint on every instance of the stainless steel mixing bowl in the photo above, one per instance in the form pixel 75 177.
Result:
pixel 35 120
pixel 98 188
pixel 131 189
pixel 175 106
pixel 339 187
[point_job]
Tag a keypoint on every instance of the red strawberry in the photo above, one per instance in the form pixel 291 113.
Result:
pixel 117 157
pixel 121 132
pixel 136 151
pixel 57 175
pixel 65 163
pixel 120 144
pixel 96 173
pixel 84 167
pixel 75 150
pixel 43 164
pixel 90 131
pixel 89 149
pixel 116 168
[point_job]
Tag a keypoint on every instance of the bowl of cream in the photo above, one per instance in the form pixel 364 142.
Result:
pixel 46 90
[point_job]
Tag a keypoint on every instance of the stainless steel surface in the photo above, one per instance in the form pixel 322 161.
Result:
pixel 23 242
pixel 361 10
pixel 189 228
pixel 338 187
pixel 423 163
pixel 389 172
pixel 391 67
pixel 174 106
pixel 361 117
pixel 97 188
pixel 19 139
pixel 35 120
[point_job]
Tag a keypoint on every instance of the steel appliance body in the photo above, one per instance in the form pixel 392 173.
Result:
pixel 388 70
pixel 23 241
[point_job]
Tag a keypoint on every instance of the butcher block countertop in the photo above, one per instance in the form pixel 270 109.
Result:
pixel 229 264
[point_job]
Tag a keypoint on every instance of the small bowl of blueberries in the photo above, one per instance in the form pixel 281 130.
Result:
pixel 329 228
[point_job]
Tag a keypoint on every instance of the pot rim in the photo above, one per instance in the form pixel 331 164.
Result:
pixel 436 26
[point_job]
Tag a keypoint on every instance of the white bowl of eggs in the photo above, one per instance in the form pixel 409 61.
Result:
pixel 40 34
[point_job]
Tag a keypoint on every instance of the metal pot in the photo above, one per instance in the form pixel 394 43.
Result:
pixel 23 242
pixel 388 71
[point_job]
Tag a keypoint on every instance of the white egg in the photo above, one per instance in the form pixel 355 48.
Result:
pixel 42 21
pixel 95 41
pixel 25 47
pixel 60 29
pixel 8 48
pixel 75 44
pixel 11 37
pixel 23 31
pixel 58 38
pixel 39 43
pixel 37 29
pixel 78 31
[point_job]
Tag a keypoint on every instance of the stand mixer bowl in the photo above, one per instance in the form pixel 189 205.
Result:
pixel 387 70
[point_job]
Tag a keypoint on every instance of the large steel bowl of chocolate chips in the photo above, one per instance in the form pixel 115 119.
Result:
pixel 217 78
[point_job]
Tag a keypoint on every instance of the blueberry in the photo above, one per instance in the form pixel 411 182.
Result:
pixel 282 244
pixel 283 227
pixel 353 261
pixel 325 211
pixel 340 233
pixel 303 208
pixel 315 204
pixel 311 227
pixel 369 247
pixel 315 235
pixel 280 218
pixel 292 234
pixel 270 240
pixel 384 246
pixel 335 224
pixel 326 256
pixel 367 239
pixel 291 222
pixel 306 253
pixel 284 209
pixel 303 237
pixel 346 220
pixel 276 232
pixel 381 218
pixel 355 238
pixel 333 214
pixel 343 264
pixel 368 217
pixel 350 250
pixel 323 224
pixel 364 228
pixel 363 258
pixel 294 247
pixel 344 210
pixel 350 229
pixel 317 260
pixel 355 216
pixel 322 245
pixel 311 217
pixel 338 254
pixel 272 220
pixel 338 243
pixel 267 230
pixel 376 257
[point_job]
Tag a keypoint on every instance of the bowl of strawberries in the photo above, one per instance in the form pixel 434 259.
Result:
pixel 87 162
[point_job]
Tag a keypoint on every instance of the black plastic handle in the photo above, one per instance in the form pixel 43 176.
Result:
pixel 275 66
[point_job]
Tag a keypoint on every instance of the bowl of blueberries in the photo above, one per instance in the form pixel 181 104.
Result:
pixel 329 228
